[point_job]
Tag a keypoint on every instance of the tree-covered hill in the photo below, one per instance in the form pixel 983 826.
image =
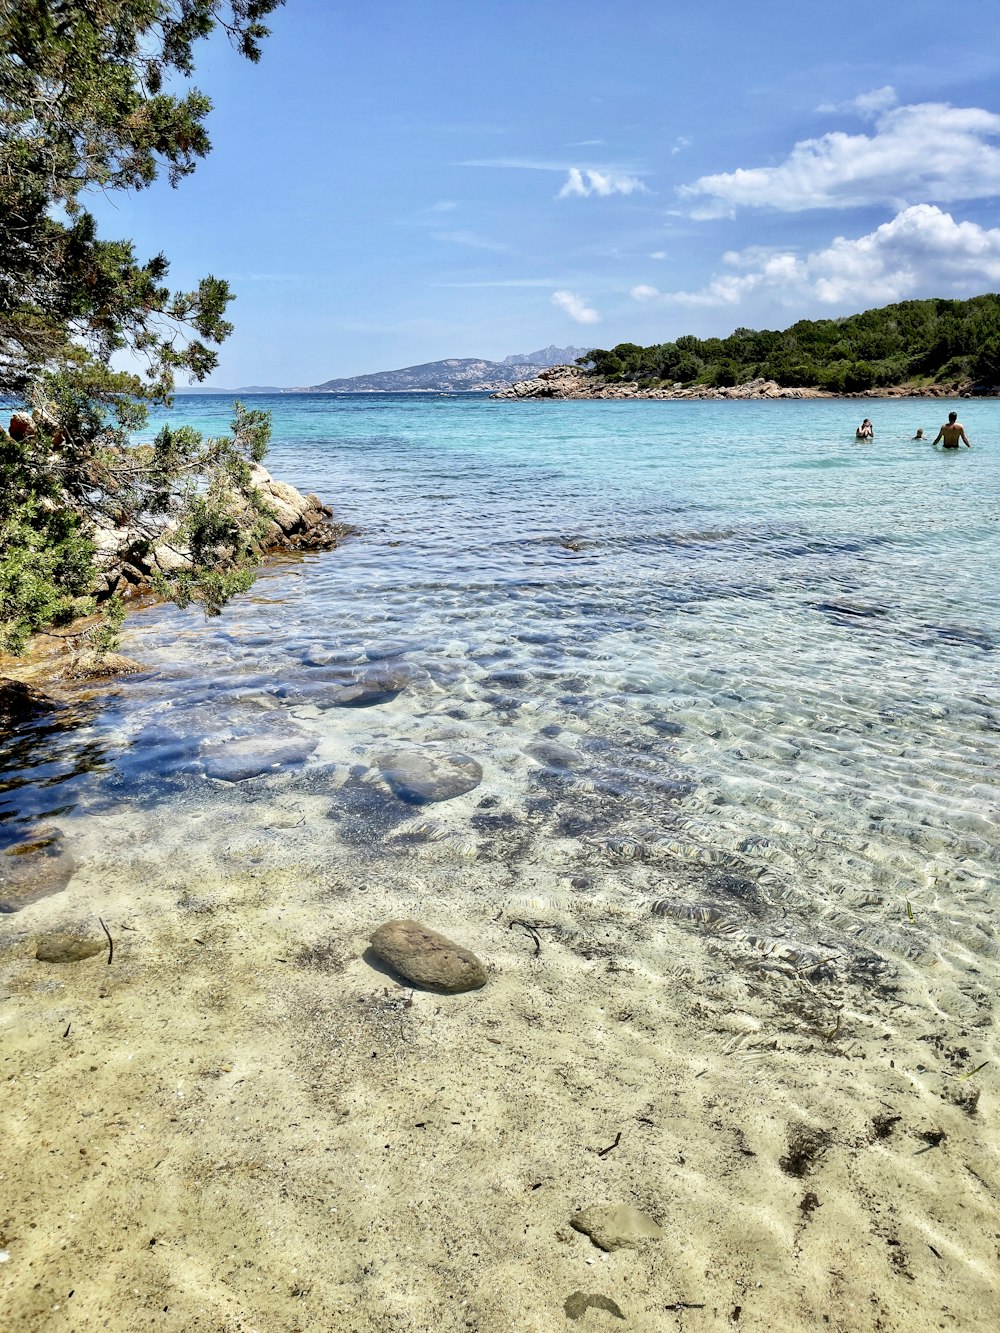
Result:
pixel 913 342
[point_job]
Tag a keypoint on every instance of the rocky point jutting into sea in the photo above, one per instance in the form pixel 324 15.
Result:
pixel 577 382
pixel 128 559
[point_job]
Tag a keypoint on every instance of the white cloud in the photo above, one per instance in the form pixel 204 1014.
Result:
pixel 879 99
pixel 923 251
pixel 503 282
pixel 928 151
pixel 576 307
pixel 865 104
pixel 471 239
pixel 582 183
pixel 516 163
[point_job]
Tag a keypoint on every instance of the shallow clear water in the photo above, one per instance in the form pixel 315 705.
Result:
pixel 716 647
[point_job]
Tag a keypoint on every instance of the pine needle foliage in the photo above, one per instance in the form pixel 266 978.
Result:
pixel 96 95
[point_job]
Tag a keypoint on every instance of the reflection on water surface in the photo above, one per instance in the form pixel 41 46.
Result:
pixel 708 656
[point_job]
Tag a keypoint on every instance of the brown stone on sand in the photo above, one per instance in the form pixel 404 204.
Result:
pixel 34 869
pixel 614 1226
pixel 427 958
pixel 62 948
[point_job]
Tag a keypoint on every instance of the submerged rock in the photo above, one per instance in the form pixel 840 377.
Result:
pixel 62 948
pixel 246 757
pixel 615 1226
pixel 377 685
pixel 34 869
pixel 665 726
pixel 421 777
pixel 426 958
pixel 552 754
pixel 21 703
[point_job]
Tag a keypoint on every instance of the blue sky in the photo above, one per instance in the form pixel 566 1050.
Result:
pixel 396 183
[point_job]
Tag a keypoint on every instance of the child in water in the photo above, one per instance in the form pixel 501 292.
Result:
pixel 919 435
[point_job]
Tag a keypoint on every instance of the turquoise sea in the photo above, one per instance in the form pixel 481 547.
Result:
pixel 718 641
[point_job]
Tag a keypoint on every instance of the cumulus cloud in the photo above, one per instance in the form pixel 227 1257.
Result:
pixel 928 151
pixel 865 104
pixel 922 251
pixel 582 183
pixel 576 307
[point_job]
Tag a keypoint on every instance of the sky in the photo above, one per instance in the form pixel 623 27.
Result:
pixel 395 184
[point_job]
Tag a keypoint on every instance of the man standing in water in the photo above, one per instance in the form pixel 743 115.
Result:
pixel 951 433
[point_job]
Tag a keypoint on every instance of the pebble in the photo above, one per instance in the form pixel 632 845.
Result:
pixel 615 1226
pixel 249 756
pixel 421 777
pixel 426 958
pixel 377 685
pixel 34 869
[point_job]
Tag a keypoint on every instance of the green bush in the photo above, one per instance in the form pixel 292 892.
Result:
pixel 85 107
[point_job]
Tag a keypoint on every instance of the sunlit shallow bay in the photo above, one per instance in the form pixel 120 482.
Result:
pixel 731 682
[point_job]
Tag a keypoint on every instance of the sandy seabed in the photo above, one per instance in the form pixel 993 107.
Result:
pixel 242 1124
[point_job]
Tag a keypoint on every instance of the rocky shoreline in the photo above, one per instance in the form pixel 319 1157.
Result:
pixel 575 382
pixel 127 563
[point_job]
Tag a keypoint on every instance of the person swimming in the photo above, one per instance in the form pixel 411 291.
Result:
pixel 952 433
pixel 866 431
pixel 919 435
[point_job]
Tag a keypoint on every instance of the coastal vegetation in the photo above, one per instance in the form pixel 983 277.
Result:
pixel 95 97
pixel 911 342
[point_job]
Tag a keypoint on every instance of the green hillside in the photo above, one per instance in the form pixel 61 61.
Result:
pixel 912 342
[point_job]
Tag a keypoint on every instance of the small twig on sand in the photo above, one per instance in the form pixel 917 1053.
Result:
pixel 533 927
pixel 963 1077
pixel 685 1305
pixel 111 943
pixel 68 1026
pixel 603 1152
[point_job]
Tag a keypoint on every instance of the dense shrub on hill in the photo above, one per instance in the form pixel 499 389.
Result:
pixel 930 341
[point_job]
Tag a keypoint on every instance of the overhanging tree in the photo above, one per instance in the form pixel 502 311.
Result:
pixel 95 95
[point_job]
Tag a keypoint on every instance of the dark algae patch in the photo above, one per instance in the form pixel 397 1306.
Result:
pixel 806 1147
pixel 883 1125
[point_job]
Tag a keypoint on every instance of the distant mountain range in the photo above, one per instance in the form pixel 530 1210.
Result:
pixel 548 356
pixel 454 375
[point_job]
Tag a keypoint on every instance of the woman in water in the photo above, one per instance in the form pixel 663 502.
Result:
pixel 866 431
